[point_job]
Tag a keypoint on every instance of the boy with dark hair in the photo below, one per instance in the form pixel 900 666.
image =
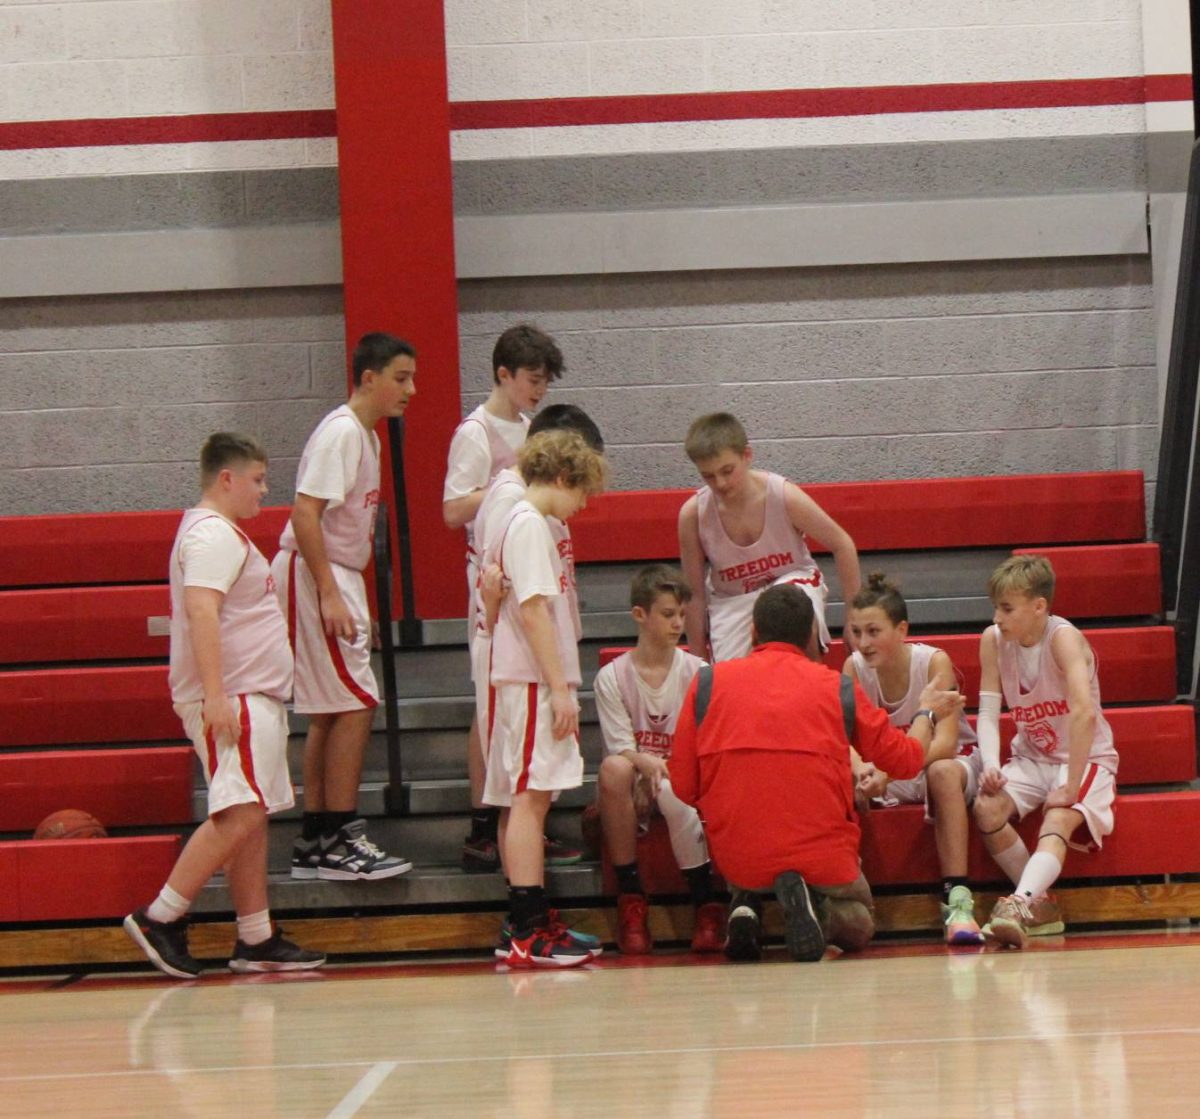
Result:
pixel 1063 757
pixel 318 573
pixel 638 697
pixel 744 530
pixel 525 360
pixel 231 671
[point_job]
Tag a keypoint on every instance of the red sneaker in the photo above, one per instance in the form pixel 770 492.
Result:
pixel 545 948
pixel 633 925
pixel 708 933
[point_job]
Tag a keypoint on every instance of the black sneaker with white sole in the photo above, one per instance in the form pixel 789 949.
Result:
pixel 350 856
pixel 801 929
pixel 275 954
pixel 306 856
pixel 165 944
pixel 743 932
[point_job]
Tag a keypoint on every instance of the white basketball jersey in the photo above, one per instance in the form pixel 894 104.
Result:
pixel 347 526
pixel 1043 713
pixel 503 457
pixel 503 492
pixel 900 714
pixel 654 711
pixel 736 569
pixel 255 655
pixel 513 661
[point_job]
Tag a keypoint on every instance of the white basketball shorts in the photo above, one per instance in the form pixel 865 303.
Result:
pixel 1029 783
pixel 524 754
pixel 253 770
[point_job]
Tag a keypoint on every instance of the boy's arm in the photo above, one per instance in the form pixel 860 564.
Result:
pixel 692 560
pixel 459 511
pixel 808 517
pixel 492 591
pixel 945 735
pixel 539 630
pixel 1069 649
pixel 306 524
pixel 988 724
pixel 203 608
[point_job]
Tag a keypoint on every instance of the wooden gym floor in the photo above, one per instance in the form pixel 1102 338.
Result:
pixel 1097 1025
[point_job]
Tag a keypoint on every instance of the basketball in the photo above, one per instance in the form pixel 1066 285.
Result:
pixel 70 823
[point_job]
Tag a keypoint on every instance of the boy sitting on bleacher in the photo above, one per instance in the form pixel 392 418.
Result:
pixel 638 697
pixel 1063 757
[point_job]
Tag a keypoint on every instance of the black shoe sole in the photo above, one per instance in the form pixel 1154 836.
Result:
pixel 139 938
pixel 802 930
pixel 742 936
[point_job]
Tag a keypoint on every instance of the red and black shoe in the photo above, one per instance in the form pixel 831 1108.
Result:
pixel 545 948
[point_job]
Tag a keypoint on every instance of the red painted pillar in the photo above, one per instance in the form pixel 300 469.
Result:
pixel 393 121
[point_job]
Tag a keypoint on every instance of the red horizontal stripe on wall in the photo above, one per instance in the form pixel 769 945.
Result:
pixel 634 109
pixel 774 104
pixel 206 127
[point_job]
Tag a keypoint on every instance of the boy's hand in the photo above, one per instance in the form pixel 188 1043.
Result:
pixel 653 770
pixel 1063 797
pixel 565 709
pixel 336 616
pixel 939 697
pixel 221 721
pixel 871 782
pixel 992 782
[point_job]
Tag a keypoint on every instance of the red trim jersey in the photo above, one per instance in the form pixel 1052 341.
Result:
pixel 340 465
pixel 1042 713
pixel 211 551
pixel 736 569
pixel 901 713
pixel 634 716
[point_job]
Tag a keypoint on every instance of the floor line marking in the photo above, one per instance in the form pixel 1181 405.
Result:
pixel 609 1053
pixel 363 1090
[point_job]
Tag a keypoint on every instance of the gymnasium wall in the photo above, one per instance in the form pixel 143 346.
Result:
pixel 928 255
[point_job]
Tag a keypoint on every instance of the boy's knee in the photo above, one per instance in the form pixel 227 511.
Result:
pixel 989 813
pixel 615 776
pixel 943 776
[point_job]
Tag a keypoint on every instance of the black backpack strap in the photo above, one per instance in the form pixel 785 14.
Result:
pixel 704 684
pixel 847 697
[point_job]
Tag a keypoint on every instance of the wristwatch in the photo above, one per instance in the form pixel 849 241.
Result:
pixel 928 714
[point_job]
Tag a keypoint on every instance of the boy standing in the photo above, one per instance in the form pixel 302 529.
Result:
pixel 638 697
pixel 534 715
pixel 318 573
pixel 524 362
pixel 1063 758
pixel 741 532
pixel 231 671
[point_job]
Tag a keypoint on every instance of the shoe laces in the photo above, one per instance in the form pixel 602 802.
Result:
pixel 365 847
pixel 1021 906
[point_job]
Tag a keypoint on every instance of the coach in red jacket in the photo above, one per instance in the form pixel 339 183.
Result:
pixel 768 767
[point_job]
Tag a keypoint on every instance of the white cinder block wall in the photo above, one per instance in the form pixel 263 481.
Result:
pixel 984 299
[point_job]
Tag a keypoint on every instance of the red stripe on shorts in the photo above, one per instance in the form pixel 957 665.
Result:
pixel 348 681
pixel 531 708
pixel 491 711
pixel 211 743
pixel 244 751
pixel 291 618
pixel 1087 782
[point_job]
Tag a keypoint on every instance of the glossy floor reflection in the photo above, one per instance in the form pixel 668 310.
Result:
pixel 1098 1027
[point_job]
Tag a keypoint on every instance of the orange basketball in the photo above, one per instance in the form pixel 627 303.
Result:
pixel 70 823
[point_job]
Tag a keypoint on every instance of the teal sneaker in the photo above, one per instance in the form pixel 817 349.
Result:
pixel 959 917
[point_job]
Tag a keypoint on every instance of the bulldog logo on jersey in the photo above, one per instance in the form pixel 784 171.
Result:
pixel 657 720
pixel 1041 737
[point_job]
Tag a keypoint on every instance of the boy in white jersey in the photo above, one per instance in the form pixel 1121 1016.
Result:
pixel 638 697
pixel 524 362
pixel 743 531
pixel 892 672
pixel 231 671
pixel 534 716
pixel 1063 758
pixel 318 573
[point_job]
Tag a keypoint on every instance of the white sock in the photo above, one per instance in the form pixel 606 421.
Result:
pixel 1039 874
pixel 1012 860
pixel 168 906
pixel 255 928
